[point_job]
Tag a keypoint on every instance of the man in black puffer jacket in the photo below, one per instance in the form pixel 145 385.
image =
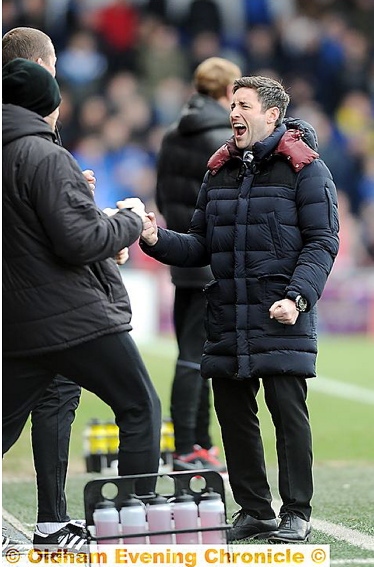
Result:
pixel 186 148
pixel 65 309
pixel 266 221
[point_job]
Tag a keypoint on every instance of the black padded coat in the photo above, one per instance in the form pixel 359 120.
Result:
pixel 203 127
pixel 266 230
pixel 61 286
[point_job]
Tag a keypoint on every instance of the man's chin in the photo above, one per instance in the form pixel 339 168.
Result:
pixel 240 144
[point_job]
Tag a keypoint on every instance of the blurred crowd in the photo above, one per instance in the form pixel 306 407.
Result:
pixel 125 70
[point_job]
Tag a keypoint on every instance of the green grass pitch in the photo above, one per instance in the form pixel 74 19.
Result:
pixel 341 403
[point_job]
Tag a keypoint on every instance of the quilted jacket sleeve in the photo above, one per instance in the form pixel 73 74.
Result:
pixel 318 221
pixel 78 231
pixel 183 250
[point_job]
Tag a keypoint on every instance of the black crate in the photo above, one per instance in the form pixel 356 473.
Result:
pixel 182 481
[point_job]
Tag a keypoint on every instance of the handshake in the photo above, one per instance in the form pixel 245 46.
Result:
pixel 149 233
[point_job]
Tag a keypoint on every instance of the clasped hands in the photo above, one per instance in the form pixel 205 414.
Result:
pixel 149 233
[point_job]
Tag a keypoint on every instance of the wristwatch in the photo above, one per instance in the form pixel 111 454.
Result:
pixel 301 303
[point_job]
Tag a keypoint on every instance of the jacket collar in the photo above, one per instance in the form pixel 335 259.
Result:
pixel 229 150
pixel 285 142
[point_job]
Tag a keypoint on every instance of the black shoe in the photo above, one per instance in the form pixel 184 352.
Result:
pixel 291 529
pixel 247 527
pixel 72 537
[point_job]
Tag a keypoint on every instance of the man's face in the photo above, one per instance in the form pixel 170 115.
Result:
pixel 249 122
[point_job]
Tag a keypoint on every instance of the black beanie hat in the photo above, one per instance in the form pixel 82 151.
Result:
pixel 28 84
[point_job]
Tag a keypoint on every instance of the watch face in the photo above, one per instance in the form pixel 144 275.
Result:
pixel 301 303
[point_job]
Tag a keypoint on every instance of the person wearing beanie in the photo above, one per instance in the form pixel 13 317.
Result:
pixel 52 417
pixel 66 311
pixel 29 85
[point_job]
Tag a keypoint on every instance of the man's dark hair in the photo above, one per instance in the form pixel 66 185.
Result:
pixel 269 91
pixel 28 43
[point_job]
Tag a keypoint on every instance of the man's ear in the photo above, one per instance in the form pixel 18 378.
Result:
pixel 272 115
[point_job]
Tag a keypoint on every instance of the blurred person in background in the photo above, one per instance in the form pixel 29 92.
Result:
pixel 202 128
pixel 160 56
pixel 261 50
pixel 68 313
pixel 82 66
pixel 202 16
pixel 355 120
pixel 117 25
pixel 266 221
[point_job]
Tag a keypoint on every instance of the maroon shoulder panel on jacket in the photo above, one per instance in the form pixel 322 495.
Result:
pixel 293 147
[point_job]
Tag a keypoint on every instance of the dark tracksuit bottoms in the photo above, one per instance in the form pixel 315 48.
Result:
pixel 51 422
pixel 112 368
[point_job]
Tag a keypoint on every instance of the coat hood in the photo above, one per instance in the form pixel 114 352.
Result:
pixel 308 133
pixel 18 122
pixel 201 113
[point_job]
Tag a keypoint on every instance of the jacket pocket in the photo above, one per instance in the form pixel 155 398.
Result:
pixel 276 236
pixel 214 315
pixel 102 280
pixel 332 212
pixel 209 232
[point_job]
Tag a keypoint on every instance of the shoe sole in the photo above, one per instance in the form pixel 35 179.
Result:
pixel 50 547
pixel 260 535
pixel 288 540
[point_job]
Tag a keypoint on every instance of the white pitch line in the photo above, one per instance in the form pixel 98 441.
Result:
pixel 349 535
pixel 346 562
pixel 342 390
pixel 17 524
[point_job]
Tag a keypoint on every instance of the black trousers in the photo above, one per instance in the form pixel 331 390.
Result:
pixel 190 394
pixel 51 422
pixel 236 407
pixel 110 367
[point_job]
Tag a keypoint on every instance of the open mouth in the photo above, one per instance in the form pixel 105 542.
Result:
pixel 239 129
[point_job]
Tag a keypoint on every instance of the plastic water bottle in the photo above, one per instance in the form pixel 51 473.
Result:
pixel 186 517
pixel 133 520
pixel 159 519
pixel 212 514
pixel 106 520
pixel 95 446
